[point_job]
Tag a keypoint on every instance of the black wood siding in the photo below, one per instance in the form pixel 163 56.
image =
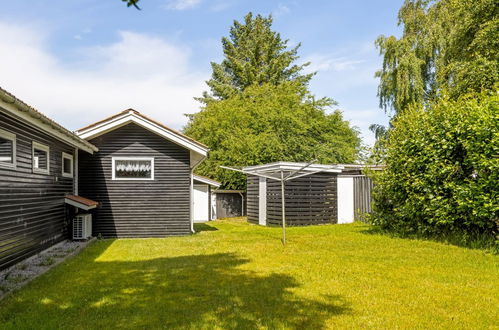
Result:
pixel 229 205
pixel 252 198
pixel 310 200
pixel 137 208
pixel 32 209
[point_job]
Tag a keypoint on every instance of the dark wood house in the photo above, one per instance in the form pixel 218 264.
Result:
pixel 142 176
pixel 38 169
pixel 133 174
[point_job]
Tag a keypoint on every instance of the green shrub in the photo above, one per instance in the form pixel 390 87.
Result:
pixel 442 171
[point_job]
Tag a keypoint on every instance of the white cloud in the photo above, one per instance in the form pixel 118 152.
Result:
pixel 182 4
pixel 326 62
pixel 347 75
pixel 281 10
pixel 219 6
pixel 138 71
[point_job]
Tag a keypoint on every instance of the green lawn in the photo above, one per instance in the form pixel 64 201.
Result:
pixel 235 275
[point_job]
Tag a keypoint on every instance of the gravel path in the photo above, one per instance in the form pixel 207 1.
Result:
pixel 25 271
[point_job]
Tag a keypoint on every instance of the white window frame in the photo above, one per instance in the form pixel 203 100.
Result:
pixel 12 137
pixel 71 159
pixel 114 159
pixel 43 147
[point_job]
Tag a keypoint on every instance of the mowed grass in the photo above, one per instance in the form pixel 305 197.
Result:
pixel 235 275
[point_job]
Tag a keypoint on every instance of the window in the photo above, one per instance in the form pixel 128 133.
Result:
pixel 41 156
pixel 67 165
pixel 7 149
pixel 133 168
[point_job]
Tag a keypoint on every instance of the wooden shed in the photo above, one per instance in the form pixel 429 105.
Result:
pixel 310 194
pixel 314 194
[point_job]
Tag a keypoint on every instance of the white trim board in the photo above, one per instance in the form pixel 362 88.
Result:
pixel 35 161
pixel 71 158
pixel 12 137
pixel 262 201
pixel 132 117
pixel 19 111
pixel 206 180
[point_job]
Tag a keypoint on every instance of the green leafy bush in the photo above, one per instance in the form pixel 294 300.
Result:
pixel 442 171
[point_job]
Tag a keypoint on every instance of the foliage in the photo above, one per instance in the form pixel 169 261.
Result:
pixel 232 275
pixel 376 154
pixel 442 170
pixel 447 47
pixel 254 54
pixel 270 123
pixel 133 3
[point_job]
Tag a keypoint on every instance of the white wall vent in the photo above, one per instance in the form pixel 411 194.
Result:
pixel 82 226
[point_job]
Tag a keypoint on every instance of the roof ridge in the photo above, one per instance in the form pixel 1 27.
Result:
pixel 20 103
pixel 138 113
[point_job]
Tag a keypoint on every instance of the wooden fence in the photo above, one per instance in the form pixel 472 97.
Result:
pixel 230 204
pixel 362 190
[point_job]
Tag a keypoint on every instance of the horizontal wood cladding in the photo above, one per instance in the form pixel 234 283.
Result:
pixel 143 208
pixel 310 200
pixel 32 209
pixel 229 205
pixel 252 199
pixel 362 196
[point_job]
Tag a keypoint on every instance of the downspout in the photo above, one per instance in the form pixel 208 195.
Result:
pixel 75 173
pixel 242 205
pixel 192 193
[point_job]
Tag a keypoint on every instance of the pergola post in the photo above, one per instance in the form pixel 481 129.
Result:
pixel 283 198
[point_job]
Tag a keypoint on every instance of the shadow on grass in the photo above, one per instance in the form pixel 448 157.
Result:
pixel 199 227
pixel 195 291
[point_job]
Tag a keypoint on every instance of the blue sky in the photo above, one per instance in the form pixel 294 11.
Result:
pixel 80 60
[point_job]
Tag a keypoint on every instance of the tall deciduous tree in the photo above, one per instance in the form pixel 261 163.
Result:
pixel 447 47
pixel 254 54
pixel 268 123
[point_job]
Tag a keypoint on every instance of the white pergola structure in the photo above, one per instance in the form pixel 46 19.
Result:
pixel 286 171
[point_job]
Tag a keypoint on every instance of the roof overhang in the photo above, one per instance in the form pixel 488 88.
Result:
pixel 13 106
pixel 132 116
pixel 81 202
pixel 206 180
pixel 285 171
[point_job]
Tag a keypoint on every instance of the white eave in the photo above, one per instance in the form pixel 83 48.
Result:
pixel 132 116
pixel 208 181
pixel 13 106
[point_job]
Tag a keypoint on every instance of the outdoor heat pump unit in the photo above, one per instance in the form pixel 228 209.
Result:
pixel 82 226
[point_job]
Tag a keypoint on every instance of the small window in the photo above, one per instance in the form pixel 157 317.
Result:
pixel 133 168
pixel 67 165
pixel 41 156
pixel 7 149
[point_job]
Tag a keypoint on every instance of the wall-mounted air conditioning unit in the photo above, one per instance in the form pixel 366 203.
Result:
pixel 82 226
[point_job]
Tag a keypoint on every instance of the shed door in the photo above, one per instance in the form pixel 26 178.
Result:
pixel 345 199
pixel 201 203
